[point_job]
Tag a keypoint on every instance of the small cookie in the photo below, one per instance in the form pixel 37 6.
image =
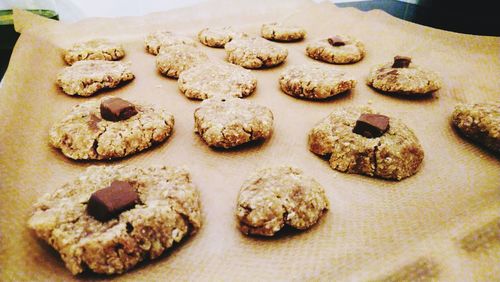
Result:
pixel 339 49
pixel 401 76
pixel 175 59
pixel 97 49
pixel 109 128
pixel 314 82
pixel 165 209
pixel 273 197
pixel 218 37
pixel 229 122
pixel 254 53
pixel 393 154
pixel 281 32
pixel 157 39
pixel 479 122
pixel 208 80
pixel 84 78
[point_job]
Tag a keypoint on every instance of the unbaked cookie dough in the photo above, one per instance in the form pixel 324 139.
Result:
pixel 212 79
pixel 157 39
pixel 274 197
pixel 84 78
pixel 396 154
pixel 167 211
pixel 218 37
pixel 339 49
pixel 173 60
pixel 314 82
pixel 479 122
pixel 229 122
pixel 97 49
pixel 254 53
pixel 281 32
pixel 84 134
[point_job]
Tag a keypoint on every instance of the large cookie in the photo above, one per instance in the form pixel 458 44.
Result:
pixel 396 154
pixel 218 37
pixel 254 53
pixel 274 197
pixel 339 49
pixel 281 32
pixel 157 39
pixel 175 59
pixel 167 210
pixel 84 134
pixel 229 122
pixel 97 49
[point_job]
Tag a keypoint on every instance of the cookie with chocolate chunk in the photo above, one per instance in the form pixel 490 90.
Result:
pixel 165 38
pixel 282 32
pixel 97 49
pixel 337 49
pixel 173 60
pixel 254 53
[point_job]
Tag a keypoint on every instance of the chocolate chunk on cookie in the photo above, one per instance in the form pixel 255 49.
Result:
pixel 97 49
pixel 371 125
pixel 282 32
pixel 175 59
pixel 218 37
pixel 109 202
pixel 116 109
pixel 164 38
pixel 254 53
pixel 338 49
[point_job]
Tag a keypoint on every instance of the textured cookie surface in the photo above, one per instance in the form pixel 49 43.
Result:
pixel 168 211
pixel 397 154
pixel 281 32
pixel 254 53
pixel 314 82
pixel 97 49
pixel 479 122
pixel 209 80
pixel 274 197
pixel 352 52
pixel 84 78
pixel 157 39
pixel 175 59
pixel 228 122
pixel 84 134
pixel 218 37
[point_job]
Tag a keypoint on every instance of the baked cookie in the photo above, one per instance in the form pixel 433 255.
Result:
pixel 273 197
pixel 97 49
pixel 401 76
pixel 84 78
pixel 229 122
pixel 218 37
pixel 157 39
pixel 339 49
pixel 175 59
pixel 212 79
pixel 314 82
pixel 281 32
pixel 254 53
pixel 479 122
pixel 358 140
pixel 110 128
pixel 110 218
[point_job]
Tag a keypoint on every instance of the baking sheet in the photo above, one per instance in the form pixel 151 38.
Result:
pixel 423 225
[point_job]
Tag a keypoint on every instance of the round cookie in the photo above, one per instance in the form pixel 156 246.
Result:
pixel 396 154
pixel 84 78
pixel 157 39
pixel 479 122
pixel 168 210
pixel 314 82
pixel 84 134
pixel 339 49
pixel 409 80
pixel 97 49
pixel 229 122
pixel 218 37
pixel 281 32
pixel 212 79
pixel 254 53
pixel 175 59
pixel 274 197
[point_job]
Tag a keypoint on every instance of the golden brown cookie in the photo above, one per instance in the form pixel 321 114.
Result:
pixel 254 53
pixel 97 49
pixel 173 60
pixel 157 39
pixel 338 49
pixel 281 32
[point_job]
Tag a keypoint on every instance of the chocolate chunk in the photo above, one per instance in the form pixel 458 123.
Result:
pixel 371 125
pixel 336 41
pixel 116 109
pixel 401 62
pixel 109 202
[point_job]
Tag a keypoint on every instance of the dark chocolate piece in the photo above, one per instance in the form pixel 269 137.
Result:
pixel 336 41
pixel 116 109
pixel 401 62
pixel 109 202
pixel 371 125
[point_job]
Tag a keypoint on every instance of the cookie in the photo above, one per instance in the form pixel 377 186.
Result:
pixel 229 122
pixel 274 197
pixel 403 77
pixel 88 132
pixel 165 211
pixel 254 53
pixel 480 122
pixel 314 82
pixel 393 154
pixel 281 32
pixel 175 59
pixel 84 78
pixel 97 49
pixel 218 37
pixel 339 49
pixel 157 39
pixel 212 79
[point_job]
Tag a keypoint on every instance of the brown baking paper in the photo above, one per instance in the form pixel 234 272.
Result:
pixel 443 223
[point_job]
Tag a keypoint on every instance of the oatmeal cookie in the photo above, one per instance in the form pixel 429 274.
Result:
pixel 281 32
pixel 218 37
pixel 97 49
pixel 175 59
pixel 254 53
pixel 339 49
pixel 157 39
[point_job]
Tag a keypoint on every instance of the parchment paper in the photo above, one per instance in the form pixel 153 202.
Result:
pixel 442 223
